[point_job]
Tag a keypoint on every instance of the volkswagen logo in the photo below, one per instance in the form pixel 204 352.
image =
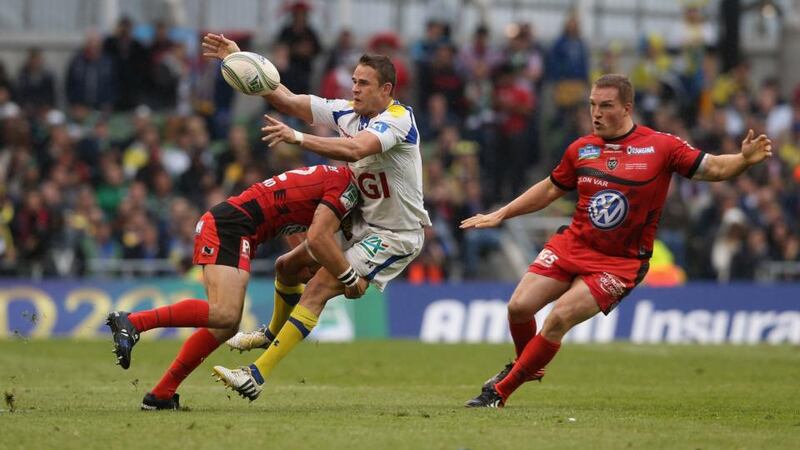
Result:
pixel 607 209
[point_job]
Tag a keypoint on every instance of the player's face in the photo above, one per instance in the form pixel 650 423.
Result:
pixel 609 115
pixel 369 97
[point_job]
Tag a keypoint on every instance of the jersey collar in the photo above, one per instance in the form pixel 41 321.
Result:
pixel 619 138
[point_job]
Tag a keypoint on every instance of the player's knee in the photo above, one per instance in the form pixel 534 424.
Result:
pixel 228 318
pixel 519 312
pixel 284 266
pixel 557 324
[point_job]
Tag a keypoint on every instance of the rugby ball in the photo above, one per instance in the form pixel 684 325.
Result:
pixel 250 73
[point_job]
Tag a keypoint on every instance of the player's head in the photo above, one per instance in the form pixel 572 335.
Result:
pixel 373 84
pixel 611 105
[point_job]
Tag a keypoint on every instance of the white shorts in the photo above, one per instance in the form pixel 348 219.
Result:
pixel 380 255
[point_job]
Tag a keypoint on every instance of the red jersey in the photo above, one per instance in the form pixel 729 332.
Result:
pixel 622 185
pixel 285 203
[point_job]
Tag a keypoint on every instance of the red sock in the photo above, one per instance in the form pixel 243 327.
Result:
pixel 536 355
pixel 199 345
pixel 185 313
pixel 522 333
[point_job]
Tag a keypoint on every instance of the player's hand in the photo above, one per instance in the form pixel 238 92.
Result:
pixel 756 150
pixel 482 220
pixel 356 290
pixel 276 132
pixel 218 46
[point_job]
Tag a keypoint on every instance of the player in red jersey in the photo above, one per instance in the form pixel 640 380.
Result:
pixel 622 172
pixel 312 200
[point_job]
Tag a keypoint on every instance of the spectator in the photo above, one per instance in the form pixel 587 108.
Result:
pixel 91 76
pixel 303 44
pixel 36 83
pixel 441 76
pixel 130 58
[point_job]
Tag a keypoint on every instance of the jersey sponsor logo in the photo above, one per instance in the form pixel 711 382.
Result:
pixel 374 187
pixel 373 245
pixel 199 227
pixel 546 258
pixel 380 127
pixel 607 209
pixel 611 285
pixel 641 150
pixel 613 148
pixel 245 248
pixel 612 163
pixel 596 181
pixel 635 166
pixel 349 197
pixel 589 152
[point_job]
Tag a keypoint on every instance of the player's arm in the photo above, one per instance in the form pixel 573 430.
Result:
pixel 723 167
pixel 322 246
pixel 284 100
pixel 353 149
pixel 535 198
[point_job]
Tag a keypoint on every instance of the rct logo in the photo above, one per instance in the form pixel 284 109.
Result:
pixel 608 209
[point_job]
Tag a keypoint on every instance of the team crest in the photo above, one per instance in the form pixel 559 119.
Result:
pixel 612 163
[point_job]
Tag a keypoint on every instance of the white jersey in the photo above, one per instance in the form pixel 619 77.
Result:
pixel 391 181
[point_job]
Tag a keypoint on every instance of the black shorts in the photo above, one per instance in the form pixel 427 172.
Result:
pixel 225 236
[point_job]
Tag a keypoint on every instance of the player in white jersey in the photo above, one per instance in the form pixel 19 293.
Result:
pixel 378 138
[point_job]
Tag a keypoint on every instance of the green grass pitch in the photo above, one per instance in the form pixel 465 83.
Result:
pixel 407 395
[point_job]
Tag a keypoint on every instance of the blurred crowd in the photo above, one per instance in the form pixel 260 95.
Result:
pixel 119 160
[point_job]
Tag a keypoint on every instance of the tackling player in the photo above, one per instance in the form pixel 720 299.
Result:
pixel 380 142
pixel 312 199
pixel 622 172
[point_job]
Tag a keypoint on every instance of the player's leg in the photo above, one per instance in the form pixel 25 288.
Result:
pixel 575 306
pixel 321 288
pixel 247 380
pixel 532 294
pixel 225 287
pixel 292 270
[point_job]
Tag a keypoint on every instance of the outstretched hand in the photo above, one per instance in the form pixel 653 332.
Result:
pixel 756 150
pixel 218 46
pixel 482 221
pixel 276 132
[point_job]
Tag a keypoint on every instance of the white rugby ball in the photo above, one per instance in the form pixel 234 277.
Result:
pixel 250 73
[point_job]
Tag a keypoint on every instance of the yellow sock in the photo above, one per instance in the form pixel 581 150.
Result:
pixel 300 323
pixel 285 299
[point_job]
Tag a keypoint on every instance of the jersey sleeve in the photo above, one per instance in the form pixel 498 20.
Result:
pixel 563 176
pixel 393 126
pixel 327 111
pixel 683 158
pixel 341 194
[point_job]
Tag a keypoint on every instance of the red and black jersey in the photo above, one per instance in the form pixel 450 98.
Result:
pixel 285 203
pixel 622 185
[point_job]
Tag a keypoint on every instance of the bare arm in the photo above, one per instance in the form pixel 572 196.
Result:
pixel 339 148
pixel 284 100
pixel 723 167
pixel 291 104
pixel 325 250
pixel 537 197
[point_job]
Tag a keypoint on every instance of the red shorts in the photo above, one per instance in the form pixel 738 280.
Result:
pixel 610 278
pixel 224 236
